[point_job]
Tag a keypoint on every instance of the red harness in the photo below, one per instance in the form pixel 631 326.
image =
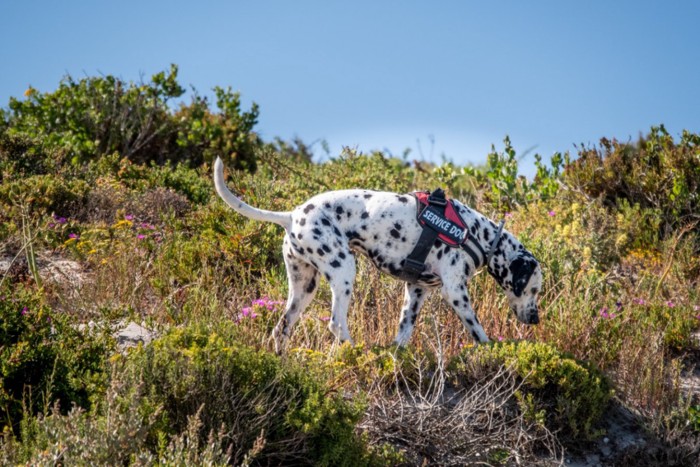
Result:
pixel 440 222
pixel 448 224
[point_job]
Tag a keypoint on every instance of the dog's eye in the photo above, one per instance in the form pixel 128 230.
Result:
pixel 534 291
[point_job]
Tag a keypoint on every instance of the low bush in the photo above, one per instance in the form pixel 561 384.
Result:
pixel 97 116
pixel 249 396
pixel 656 172
pixel 557 390
pixel 44 359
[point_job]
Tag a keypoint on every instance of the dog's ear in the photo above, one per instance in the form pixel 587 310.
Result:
pixel 521 268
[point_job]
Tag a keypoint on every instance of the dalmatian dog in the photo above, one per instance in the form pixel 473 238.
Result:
pixel 323 235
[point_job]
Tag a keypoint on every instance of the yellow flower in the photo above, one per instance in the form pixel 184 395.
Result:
pixel 587 253
pixel 621 240
pixel 30 91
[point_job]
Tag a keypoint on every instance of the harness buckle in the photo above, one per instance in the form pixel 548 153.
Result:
pixel 437 198
pixel 437 201
pixel 413 267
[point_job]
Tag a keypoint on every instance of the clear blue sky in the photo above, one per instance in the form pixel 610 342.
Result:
pixel 386 74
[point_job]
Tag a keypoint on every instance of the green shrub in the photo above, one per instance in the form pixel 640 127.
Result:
pixel 98 116
pixel 113 432
pixel 389 366
pixel 43 194
pixel 21 156
pixel 44 359
pixel 655 173
pixel 505 188
pixel 566 393
pixel 250 395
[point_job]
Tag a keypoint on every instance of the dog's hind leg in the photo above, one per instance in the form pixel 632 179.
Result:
pixel 413 300
pixel 303 282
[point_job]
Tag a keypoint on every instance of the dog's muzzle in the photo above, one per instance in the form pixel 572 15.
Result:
pixel 530 316
pixel 533 316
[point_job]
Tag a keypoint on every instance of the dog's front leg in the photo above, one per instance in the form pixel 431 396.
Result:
pixel 458 299
pixel 341 281
pixel 414 297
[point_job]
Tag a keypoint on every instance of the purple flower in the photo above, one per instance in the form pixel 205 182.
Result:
pixel 60 220
pixel 639 301
pixel 508 215
pixel 551 213
pixel 246 311
pixel 73 235
pixel 324 318
pixel 670 304
pixel 129 217
pixel 618 306
pixel 604 312
pixel 24 311
pixel 140 236
pixel 500 338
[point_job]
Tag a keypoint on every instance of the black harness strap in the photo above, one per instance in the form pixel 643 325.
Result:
pixel 477 261
pixel 414 264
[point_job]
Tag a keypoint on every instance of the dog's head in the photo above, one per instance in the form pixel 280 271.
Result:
pixel 522 285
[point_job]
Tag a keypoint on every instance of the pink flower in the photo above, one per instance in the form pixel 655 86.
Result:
pixel 670 304
pixel 246 311
pixel 500 338
pixel 551 213
pixel 140 236
pixel 696 308
pixel 508 215
pixel 266 302
pixel 129 217
pixel 324 318
pixel 73 235
pixel 604 312
pixel 24 311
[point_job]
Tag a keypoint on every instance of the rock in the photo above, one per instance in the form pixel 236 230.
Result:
pixel 132 334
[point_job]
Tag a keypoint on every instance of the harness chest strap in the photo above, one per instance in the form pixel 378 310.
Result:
pixel 414 264
pixel 453 232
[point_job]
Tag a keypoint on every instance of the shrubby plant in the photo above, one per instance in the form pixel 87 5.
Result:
pixel 44 360
pixel 557 389
pixel 656 172
pixel 250 395
pixel 97 116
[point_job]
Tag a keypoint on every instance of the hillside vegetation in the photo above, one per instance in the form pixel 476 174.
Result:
pixel 114 180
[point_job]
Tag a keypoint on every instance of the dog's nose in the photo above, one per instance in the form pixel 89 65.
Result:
pixel 534 319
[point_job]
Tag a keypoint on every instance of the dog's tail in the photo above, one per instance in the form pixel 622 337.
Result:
pixel 282 218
